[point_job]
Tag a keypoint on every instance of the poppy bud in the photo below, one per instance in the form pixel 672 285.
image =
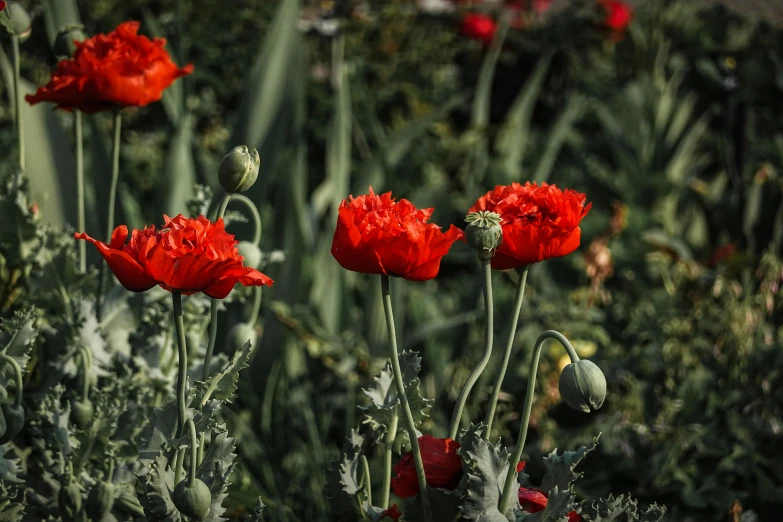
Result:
pixel 64 46
pixel 193 501
pixel 583 386
pixel 251 254
pixel 82 412
pixel 19 21
pixel 14 421
pixel 239 169
pixel 240 334
pixel 100 500
pixel 69 499
pixel 484 232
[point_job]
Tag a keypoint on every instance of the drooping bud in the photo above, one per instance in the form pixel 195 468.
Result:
pixel 583 386
pixel 239 169
pixel 251 253
pixel 484 232
pixel 69 499
pixel 17 20
pixel 64 46
pixel 14 421
pixel 193 501
pixel 100 500
pixel 82 412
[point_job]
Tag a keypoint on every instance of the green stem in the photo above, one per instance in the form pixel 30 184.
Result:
pixel 367 482
pixel 80 225
pixel 17 377
pixel 213 304
pixel 387 458
pixel 254 214
pixel 193 453
pixel 508 492
pixel 406 408
pixel 18 99
pixel 182 373
pixel 86 358
pixel 486 270
pixel 201 445
pixel 493 399
pixel 110 473
pixel 115 176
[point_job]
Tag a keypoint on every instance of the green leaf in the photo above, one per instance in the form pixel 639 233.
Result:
pixel 17 337
pixel 559 504
pixel 481 102
pixel 180 168
pixel 343 480
pixel 223 385
pixel 485 465
pixel 621 509
pixel 9 469
pixel 560 468
pixel 215 471
pixel 162 427
pixel 158 486
pixel 257 514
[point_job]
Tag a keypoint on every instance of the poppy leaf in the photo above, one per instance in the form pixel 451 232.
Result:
pixel 486 466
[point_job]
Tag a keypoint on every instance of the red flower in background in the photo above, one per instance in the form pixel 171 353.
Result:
pixel 539 222
pixel 618 17
pixel 185 255
pixel 119 69
pixel 533 501
pixel 2 5
pixel 479 27
pixel 392 513
pixel 442 466
pixel 378 235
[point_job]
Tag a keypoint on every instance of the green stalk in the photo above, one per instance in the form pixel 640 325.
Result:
pixel 387 457
pixel 193 453
pixel 493 399
pixel 213 304
pixel 182 374
pixel 115 176
pixel 406 408
pixel 508 490
pixel 86 358
pixel 80 226
pixel 18 99
pixel 17 377
pixel 367 482
pixel 486 270
pixel 257 242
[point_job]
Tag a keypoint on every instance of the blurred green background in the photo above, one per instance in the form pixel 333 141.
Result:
pixel 673 132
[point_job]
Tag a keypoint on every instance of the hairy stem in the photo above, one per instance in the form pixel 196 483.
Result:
pixel 78 137
pixel 193 453
pixel 115 176
pixel 387 457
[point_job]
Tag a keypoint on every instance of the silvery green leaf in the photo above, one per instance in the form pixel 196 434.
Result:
pixel 159 485
pixel 559 504
pixel 162 427
pixel 485 466
pixel 223 384
pixel 560 468
pixel 19 333
pixel 343 486
pixel 215 471
pixel 620 509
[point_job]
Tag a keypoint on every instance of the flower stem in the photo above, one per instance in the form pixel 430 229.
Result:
pixel 486 270
pixel 367 481
pixel 254 214
pixel 17 377
pixel 193 453
pixel 387 457
pixel 406 408
pixel 115 176
pixel 531 385
pixel 86 358
pixel 182 373
pixel 80 226
pixel 18 99
pixel 493 399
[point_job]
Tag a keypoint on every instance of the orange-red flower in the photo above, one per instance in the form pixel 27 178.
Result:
pixel 442 466
pixel 533 501
pixel 618 16
pixel 185 255
pixel 378 235
pixel 479 27
pixel 2 5
pixel 119 69
pixel 392 513
pixel 539 222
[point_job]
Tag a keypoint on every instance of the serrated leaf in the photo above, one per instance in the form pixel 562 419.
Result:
pixel 620 509
pixel 9 469
pixel 215 471
pixel 558 506
pixel 204 420
pixel 162 427
pixel 343 483
pixel 223 385
pixel 12 512
pixel 485 466
pixel 257 514
pixel 560 468
pixel 159 484
pixel 17 338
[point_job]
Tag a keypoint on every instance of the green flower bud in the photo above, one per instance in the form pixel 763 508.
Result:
pixel 100 500
pixel 82 412
pixel 69 499
pixel 63 46
pixel 583 386
pixel 484 232
pixel 18 21
pixel 239 169
pixel 14 421
pixel 193 501
pixel 239 334
pixel 251 253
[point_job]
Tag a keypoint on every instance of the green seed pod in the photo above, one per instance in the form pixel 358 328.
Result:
pixel 193 501
pixel 239 169
pixel 100 500
pixel 64 46
pixel 82 412
pixel 69 500
pixel 583 386
pixel 19 21
pixel 239 334
pixel 251 253
pixel 14 421
pixel 484 232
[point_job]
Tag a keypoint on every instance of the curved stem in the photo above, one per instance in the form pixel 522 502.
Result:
pixel 17 377
pixel 110 473
pixel 406 408
pixel 254 213
pixel 493 399
pixel 531 385
pixel 18 99
pixel 86 358
pixel 387 457
pixel 486 270
pixel 367 482
pixel 115 176
pixel 193 453
pixel 80 225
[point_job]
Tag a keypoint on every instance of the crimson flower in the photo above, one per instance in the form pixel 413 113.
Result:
pixel 618 16
pixel 186 255
pixel 392 513
pixel 442 466
pixel 479 27
pixel 2 5
pixel 378 235
pixel 539 222
pixel 521 466
pixel 533 501
pixel 119 69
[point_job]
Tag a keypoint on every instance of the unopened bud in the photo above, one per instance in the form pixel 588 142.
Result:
pixel 583 386
pixel 239 169
pixel 65 42
pixel 484 232
pixel 18 21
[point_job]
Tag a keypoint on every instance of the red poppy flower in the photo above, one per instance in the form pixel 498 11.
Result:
pixel 392 513
pixel 119 69
pixel 479 27
pixel 442 466
pixel 539 222
pixel 186 255
pixel 2 5
pixel 533 501
pixel 378 235
pixel 521 466
pixel 618 16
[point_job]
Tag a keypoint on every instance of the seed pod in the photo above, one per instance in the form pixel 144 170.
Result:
pixel 100 500
pixel 239 169
pixel 64 46
pixel 82 412
pixel 19 21
pixel 484 232
pixel 14 421
pixel 193 501
pixel 251 253
pixel 583 386
pixel 69 500
pixel 239 334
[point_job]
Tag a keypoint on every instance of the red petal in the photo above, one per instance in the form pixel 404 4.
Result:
pixel 130 273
